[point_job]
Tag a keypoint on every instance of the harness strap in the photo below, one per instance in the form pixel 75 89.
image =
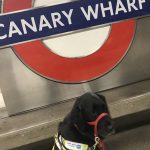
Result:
pixel 64 144
pixel 101 145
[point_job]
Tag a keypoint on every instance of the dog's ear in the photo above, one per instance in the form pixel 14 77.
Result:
pixel 77 117
pixel 102 97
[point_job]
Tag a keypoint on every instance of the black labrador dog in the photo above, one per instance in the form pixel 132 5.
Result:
pixel 85 127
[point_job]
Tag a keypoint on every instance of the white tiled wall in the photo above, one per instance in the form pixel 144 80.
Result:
pixel 2 104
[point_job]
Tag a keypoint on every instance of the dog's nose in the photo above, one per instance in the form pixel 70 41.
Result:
pixel 110 128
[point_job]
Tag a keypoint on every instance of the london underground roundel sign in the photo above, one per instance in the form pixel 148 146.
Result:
pixel 73 68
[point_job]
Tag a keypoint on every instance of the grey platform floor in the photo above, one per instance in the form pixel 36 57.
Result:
pixel 135 139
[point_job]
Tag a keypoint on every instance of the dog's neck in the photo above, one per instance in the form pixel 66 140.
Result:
pixel 70 132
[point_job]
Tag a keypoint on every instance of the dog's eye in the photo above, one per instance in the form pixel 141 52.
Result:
pixel 79 108
pixel 95 110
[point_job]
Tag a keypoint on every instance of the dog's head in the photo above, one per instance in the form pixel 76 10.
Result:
pixel 87 109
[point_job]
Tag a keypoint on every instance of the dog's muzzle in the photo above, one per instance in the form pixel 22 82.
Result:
pixel 98 142
pixel 95 123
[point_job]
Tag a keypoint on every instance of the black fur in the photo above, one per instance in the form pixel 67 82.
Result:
pixel 87 108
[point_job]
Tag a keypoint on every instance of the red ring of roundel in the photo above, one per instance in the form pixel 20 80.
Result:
pixel 71 70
